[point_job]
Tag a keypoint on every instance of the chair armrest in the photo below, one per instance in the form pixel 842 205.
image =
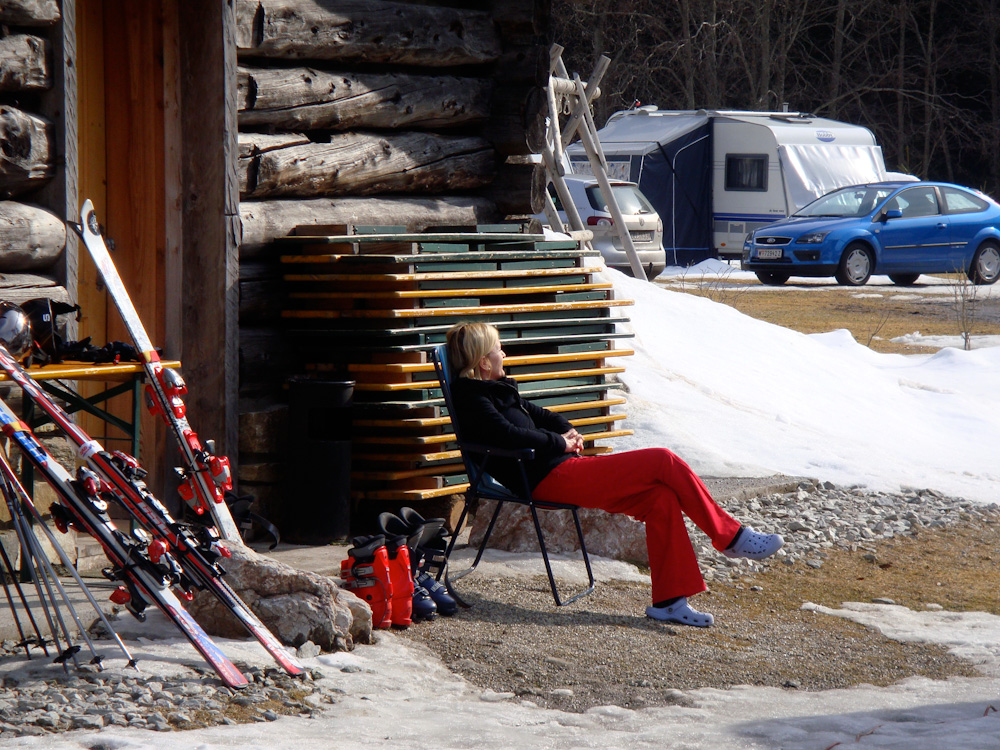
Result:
pixel 523 454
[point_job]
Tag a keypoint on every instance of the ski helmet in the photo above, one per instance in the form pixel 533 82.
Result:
pixel 46 328
pixel 15 331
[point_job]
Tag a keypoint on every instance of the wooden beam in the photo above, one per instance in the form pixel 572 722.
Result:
pixel 31 238
pixel 29 12
pixel 367 163
pixel 311 99
pixel 24 63
pixel 369 31
pixel 265 221
pixel 27 151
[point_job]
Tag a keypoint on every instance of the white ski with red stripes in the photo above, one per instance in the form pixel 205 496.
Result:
pixel 205 476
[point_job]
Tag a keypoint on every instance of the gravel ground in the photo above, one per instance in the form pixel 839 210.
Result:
pixel 603 650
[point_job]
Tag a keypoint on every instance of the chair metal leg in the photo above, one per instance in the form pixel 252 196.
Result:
pixel 548 565
pixel 448 576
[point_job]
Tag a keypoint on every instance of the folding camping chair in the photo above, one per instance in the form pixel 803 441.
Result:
pixel 482 486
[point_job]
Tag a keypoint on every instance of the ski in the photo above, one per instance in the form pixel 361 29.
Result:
pixel 144 579
pixel 121 480
pixel 205 476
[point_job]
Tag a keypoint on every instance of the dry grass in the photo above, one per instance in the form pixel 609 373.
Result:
pixel 955 568
pixel 873 314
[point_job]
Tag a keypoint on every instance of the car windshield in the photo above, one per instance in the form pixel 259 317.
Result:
pixel 630 200
pixel 853 201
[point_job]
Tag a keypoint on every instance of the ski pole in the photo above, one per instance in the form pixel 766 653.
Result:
pixel 29 550
pixel 8 570
pixel 10 477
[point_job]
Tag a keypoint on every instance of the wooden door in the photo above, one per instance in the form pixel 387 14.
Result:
pixel 126 107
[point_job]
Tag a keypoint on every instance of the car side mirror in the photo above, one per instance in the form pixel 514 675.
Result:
pixel 892 213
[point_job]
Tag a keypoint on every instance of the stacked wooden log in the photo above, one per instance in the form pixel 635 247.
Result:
pixel 32 238
pixel 369 304
pixel 369 97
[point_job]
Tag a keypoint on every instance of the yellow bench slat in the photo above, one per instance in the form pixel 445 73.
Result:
pixel 512 361
pixel 521 378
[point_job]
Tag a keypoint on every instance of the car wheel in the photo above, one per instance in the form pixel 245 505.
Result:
pixel 772 278
pixel 856 265
pixel 904 279
pixel 985 268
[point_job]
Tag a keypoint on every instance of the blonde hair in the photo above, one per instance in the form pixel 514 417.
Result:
pixel 468 343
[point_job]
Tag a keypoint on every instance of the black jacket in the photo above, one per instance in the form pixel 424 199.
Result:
pixel 492 412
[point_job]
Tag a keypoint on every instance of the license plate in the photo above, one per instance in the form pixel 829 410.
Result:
pixel 642 236
pixel 768 252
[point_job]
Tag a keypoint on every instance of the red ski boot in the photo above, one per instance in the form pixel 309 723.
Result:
pixel 402 581
pixel 366 573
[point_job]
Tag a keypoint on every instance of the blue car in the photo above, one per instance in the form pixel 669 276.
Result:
pixel 901 229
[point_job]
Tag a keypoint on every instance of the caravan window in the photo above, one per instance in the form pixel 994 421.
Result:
pixel 746 172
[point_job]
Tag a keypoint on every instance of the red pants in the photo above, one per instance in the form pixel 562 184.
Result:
pixel 656 487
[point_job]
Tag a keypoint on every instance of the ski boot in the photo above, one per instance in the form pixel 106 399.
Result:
pixel 444 602
pixel 365 572
pixel 401 576
pixel 428 543
pixel 424 607
pixel 432 543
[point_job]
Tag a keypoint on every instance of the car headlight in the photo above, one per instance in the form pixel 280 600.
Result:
pixel 812 238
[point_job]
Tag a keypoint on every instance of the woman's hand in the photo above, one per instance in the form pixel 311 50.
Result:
pixel 574 441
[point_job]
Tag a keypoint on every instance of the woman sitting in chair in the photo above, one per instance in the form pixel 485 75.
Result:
pixel 652 485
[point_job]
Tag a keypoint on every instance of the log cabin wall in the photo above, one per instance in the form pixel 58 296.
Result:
pixel 367 112
pixel 36 188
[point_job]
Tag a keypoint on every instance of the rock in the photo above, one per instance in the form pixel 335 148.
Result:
pixel 308 650
pixel 297 606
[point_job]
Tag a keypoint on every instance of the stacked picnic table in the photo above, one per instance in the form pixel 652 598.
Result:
pixel 370 303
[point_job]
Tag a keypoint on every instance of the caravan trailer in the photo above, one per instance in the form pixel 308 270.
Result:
pixel 714 176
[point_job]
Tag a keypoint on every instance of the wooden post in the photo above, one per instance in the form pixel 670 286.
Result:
pixel 210 278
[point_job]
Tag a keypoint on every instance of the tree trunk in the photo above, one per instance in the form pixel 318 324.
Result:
pixel 369 31
pixel 263 221
pixel 29 12
pixel 368 163
pixel 24 63
pixel 837 61
pixel 31 238
pixel 309 99
pixel 25 151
